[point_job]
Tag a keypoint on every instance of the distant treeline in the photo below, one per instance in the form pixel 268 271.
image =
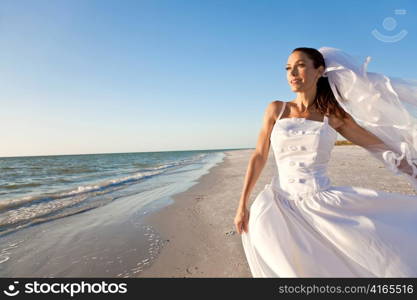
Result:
pixel 341 143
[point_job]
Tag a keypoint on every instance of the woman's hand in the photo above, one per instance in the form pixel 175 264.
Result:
pixel 242 220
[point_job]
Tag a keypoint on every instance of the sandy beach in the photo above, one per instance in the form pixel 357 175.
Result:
pixel 199 228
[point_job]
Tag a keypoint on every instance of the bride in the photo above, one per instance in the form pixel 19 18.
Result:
pixel 300 225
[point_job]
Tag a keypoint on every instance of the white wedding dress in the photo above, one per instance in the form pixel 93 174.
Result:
pixel 302 226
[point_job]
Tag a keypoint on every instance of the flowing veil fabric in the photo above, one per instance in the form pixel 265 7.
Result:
pixel 385 106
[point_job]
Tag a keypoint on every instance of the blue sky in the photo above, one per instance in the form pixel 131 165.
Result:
pixel 130 76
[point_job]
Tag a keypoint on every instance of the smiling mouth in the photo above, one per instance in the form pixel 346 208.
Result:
pixel 294 82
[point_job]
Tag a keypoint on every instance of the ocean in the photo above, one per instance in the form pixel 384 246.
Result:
pixel 59 214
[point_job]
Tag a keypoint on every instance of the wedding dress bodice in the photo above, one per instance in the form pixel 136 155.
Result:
pixel 302 150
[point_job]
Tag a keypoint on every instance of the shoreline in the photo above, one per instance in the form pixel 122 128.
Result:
pixel 202 241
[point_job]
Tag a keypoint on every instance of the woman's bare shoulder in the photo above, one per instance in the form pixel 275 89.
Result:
pixel 274 108
pixel 337 121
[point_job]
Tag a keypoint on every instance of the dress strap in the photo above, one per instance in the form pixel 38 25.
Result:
pixel 325 119
pixel 282 110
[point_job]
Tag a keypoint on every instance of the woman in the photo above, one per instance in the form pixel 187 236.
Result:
pixel 302 226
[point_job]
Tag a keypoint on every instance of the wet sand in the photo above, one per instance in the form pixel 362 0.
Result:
pixel 198 226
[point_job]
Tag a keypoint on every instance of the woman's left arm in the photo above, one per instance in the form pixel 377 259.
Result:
pixel 353 132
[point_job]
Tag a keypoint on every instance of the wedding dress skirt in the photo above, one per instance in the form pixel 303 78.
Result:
pixel 302 226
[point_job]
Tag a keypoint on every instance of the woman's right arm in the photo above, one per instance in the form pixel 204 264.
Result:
pixel 258 160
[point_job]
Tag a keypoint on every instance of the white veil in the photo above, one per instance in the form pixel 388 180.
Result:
pixel 385 106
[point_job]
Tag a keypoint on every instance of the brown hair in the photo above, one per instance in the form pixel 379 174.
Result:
pixel 325 100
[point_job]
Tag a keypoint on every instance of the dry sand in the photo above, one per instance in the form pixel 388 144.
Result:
pixel 199 225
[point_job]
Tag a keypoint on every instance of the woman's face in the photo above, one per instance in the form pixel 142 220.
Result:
pixel 301 74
